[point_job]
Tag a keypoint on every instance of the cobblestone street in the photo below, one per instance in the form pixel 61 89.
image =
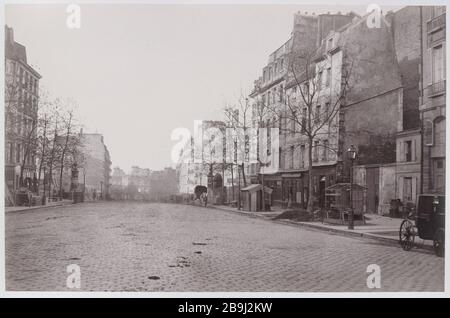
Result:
pixel 164 247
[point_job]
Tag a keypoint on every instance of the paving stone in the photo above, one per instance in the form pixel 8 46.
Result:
pixel 118 246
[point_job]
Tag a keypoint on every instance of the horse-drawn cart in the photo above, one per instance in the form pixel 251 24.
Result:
pixel 428 222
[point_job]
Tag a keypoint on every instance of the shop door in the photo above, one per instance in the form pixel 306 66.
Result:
pixel 372 196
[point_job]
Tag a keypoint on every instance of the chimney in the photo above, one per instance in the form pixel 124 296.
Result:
pixel 9 34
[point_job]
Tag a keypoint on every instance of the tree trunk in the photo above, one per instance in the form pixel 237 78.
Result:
pixel 263 198
pixel 61 171
pixel 50 180
pixel 243 174
pixel 41 161
pixel 309 207
pixel 232 182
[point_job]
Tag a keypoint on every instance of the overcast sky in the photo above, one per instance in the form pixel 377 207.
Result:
pixel 139 71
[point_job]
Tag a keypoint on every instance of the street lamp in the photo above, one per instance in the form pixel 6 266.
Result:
pixel 351 151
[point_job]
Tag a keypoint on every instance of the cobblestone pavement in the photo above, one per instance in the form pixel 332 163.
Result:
pixel 164 247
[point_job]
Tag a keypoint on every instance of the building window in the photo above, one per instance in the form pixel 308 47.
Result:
pixel 330 44
pixel 438 68
pixel 279 158
pixel 325 150
pixel 19 125
pixel 291 155
pixel 438 177
pixel 294 116
pixel 316 151
pixel 18 153
pixel 328 77
pixel 327 110
pixel 8 152
pixel 302 155
pixel 303 128
pixel 439 132
pixel 317 117
pixel 407 189
pixel 408 151
pixel 269 138
pixel 428 133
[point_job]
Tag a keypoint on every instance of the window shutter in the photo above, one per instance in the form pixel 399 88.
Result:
pixel 428 133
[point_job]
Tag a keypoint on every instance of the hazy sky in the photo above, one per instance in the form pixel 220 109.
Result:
pixel 139 71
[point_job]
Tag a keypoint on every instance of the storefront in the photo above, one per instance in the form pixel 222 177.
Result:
pixel 274 182
pixel 295 187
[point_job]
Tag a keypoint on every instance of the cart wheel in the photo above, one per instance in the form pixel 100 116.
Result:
pixel 406 235
pixel 439 242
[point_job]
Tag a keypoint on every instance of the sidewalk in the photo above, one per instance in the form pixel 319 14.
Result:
pixel 377 227
pixel 30 208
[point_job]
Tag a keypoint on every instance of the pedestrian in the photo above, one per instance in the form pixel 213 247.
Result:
pixel 94 195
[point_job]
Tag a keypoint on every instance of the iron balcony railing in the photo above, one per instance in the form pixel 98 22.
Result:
pixel 436 88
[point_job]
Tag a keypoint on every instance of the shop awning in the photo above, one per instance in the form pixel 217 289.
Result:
pixel 257 187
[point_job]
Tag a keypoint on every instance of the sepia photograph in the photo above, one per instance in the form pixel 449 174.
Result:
pixel 158 148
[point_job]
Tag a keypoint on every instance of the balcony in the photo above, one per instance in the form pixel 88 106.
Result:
pixel 436 89
pixel 436 30
pixel 436 37
pixel 436 23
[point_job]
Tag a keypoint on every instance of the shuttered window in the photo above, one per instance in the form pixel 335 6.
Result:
pixel 428 133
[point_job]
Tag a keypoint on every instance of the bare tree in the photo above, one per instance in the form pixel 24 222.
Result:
pixel 67 122
pixel 46 115
pixel 239 119
pixel 51 154
pixel 311 110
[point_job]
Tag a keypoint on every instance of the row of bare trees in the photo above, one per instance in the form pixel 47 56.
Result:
pixel 47 138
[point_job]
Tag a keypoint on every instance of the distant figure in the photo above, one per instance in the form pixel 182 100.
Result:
pixel 94 195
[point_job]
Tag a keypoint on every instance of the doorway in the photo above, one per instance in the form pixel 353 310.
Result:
pixel 372 195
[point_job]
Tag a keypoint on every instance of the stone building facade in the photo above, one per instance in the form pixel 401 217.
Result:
pixel 432 101
pixel 95 174
pixel 271 91
pixel 418 35
pixel 21 114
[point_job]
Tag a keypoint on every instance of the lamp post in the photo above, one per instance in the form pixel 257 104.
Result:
pixel 351 151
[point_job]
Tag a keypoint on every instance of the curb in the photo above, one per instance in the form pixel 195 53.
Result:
pixel 385 240
pixel 37 207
